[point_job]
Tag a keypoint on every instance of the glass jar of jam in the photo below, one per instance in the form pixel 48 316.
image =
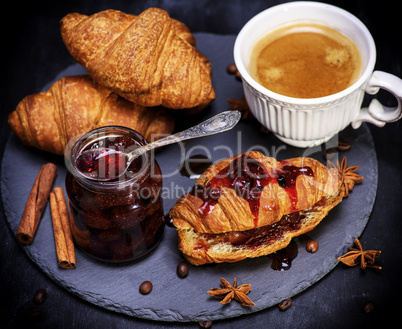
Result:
pixel 118 220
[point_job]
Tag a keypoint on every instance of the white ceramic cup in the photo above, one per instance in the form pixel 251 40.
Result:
pixel 307 122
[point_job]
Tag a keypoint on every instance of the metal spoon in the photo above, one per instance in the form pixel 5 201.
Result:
pixel 121 161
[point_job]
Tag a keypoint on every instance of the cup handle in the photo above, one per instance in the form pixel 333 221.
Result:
pixel 376 113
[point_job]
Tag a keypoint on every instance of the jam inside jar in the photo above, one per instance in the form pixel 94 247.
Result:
pixel 119 220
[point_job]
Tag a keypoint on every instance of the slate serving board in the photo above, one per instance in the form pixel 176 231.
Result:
pixel 115 287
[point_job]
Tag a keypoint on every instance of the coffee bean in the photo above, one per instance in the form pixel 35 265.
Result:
pixel 283 306
pixel 312 246
pixel 205 324
pixel 231 69
pixel 344 146
pixel 368 307
pixel 182 270
pixel 146 287
pixel 329 153
pixel 39 296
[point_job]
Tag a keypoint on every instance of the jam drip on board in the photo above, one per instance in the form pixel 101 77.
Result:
pixel 282 259
pixel 248 177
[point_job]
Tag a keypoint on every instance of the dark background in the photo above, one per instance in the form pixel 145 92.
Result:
pixel 33 53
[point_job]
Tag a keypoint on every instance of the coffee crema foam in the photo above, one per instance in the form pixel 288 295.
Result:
pixel 305 61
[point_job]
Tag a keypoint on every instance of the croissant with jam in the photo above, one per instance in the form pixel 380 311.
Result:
pixel 148 59
pixel 75 105
pixel 252 205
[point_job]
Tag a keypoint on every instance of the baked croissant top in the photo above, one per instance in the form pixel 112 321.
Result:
pixel 74 105
pixel 149 59
pixel 251 190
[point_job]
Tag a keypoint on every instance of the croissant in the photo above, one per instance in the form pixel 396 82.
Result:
pixel 148 59
pixel 252 205
pixel 75 105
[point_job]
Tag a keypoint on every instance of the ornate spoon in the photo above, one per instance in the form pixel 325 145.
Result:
pixel 92 163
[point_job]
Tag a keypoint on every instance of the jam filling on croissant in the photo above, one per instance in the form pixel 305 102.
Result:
pixel 261 236
pixel 248 177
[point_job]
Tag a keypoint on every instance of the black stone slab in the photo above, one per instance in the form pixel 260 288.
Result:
pixel 115 287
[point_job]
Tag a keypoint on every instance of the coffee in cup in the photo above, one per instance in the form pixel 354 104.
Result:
pixel 308 122
pixel 305 61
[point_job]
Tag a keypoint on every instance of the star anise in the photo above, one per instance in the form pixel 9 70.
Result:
pixel 348 175
pixel 229 292
pixel 241 106
pixel 365 258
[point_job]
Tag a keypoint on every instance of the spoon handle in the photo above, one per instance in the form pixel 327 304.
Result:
pixel 219 123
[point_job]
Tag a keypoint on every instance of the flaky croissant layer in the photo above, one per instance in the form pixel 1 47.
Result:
pixel 148 59
pixel 75 105
pixel 251 205
pixel 251 190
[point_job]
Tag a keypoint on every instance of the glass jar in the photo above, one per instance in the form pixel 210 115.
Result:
pixel 119 220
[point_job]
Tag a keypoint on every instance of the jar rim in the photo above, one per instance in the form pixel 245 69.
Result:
pixel 79 143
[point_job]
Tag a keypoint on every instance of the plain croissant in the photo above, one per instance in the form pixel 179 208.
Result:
pixel 75 105
pixel 233 213
pixel 148 59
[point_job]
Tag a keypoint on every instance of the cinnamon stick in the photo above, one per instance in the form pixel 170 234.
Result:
pixel 61 228
pixel 36 203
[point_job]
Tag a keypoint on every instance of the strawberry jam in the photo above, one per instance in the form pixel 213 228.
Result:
pixel 287 180
pixel 248 177
pixel 265 236
pixel 282 259
pixel 119 220
pixel 101 163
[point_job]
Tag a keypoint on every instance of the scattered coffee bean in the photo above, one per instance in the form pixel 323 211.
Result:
pixel 205 324
pixel 283 306
pixel 238 76
pixel 182 270
pixel 312 246
pixel 39 296
pixel 231 69
pixel 329 154
pixel 146 287
pixel 344 146
pixel 368 307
